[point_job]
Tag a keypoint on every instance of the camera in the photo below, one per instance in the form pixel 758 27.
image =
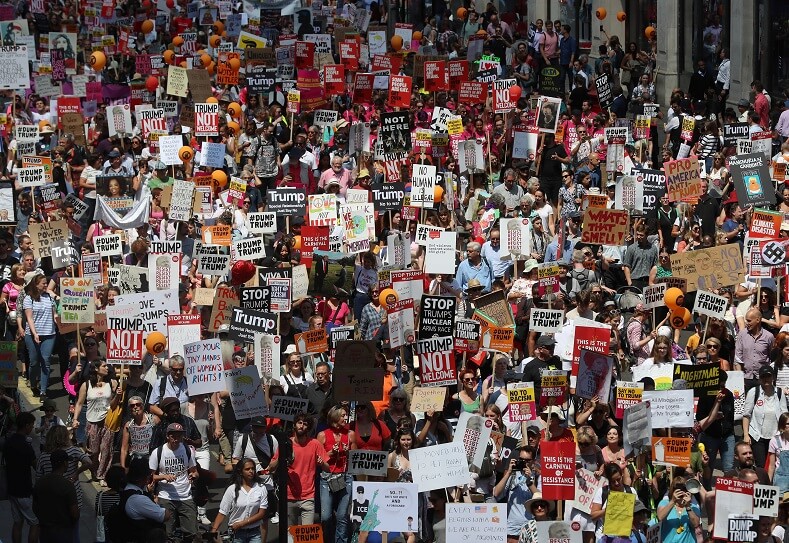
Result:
pixel 520 464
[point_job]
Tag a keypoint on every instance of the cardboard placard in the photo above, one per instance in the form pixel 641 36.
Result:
pixel 426 399
pixel 709 269
pixel 605 226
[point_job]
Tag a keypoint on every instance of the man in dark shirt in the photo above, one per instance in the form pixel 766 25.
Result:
pixel 707 210
pixel 743 459
pixel 20 459
pixel 55 502
pixel 544 359
pixel 715 416
pixel 321 391
pixel 553 156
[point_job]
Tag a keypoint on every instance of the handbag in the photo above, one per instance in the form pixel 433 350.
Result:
pixel 336 482
pixel 100 535
pixel 113 419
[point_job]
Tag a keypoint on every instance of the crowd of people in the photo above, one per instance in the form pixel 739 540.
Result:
pixel 136 431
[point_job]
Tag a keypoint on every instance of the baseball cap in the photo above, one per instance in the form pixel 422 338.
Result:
pixel 174 427
pixel 545 341
pixel 258 421
pixel 766 371
pixel 167 401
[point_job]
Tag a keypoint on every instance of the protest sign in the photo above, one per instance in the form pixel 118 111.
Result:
pixel 683 181
pixel 77 305
pixel 594 375
pixel 91 268
pixel 312 341
pixel 279 294
pixel 653 533
pixel 709 269
pixel 306 533
pixel 163 271
pixel 710 304
pixel 400 91
pixel 439 466
pixel 423 182
pixel 182 329
pixel 213 264
pixel 495 306
pixel 765 224
pixel 364 462
pixel 225 300
pixel 287 407
pixel 497 338
pixel 44 234
pixel 619 514
pixel 670 408
pixel 262 222
pixel 558 470
pixel 587 335
pixel 604 92
pixel 671 451
pixel 153 309
pixel 661 374
pixel 8 361
pixel 436 361
pixel 286 201
pixel 124 347
pixel 766 500
pixel 732 496
pixel 400 323
pixel 553 387
pixel 750 174
pixel 627 394
pixel 426 399
pixel 704 379
pixel 742 528
pixel 204 367
pixel 586 485
pixel 522 406
pixel 356 375
pixel 436 316
pixel 108 245
pixel 653 295
pixel 31 177
pixel 181 200
pixel 244 323
pixel 385 507
pixel 206 119
pixel 548 321
pixel 476 523
pixel 410 284
pixel 267 356
pixel 636 426
pixel 246 392
pixel 557 531
pixel 467 335
pixel 605 226
pixel 322 209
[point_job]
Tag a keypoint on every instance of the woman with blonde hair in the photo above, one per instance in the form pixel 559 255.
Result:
pixel 335 484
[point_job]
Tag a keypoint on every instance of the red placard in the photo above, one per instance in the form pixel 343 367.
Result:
pixel 349 54
pixel 363 88
pixel 399 91
pixel 558 469
pixel 334 79
pixel 435 75
pixel 591 339
pixel 305 54
pixel 458 73
pixel 68 104
pixel 472 92
pixel 313 238
pixel 387 62
pixel 124 346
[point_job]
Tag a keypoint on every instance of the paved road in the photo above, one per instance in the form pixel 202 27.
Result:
pixel 88 518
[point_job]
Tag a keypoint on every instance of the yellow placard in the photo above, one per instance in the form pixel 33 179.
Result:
pixel 619 514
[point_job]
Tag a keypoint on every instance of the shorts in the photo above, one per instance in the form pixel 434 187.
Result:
pixel 22 510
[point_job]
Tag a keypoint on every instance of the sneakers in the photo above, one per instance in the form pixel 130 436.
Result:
pixel 202 519
pixel 275 519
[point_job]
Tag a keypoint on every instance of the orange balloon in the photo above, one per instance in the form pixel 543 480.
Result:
pixel 621 16
pixel 234 109
pixel 600 13
pixel 178 41
pixel 214 41
pixel 211 67
pixel 438 194
pixel 650 32
pixel 481 32
pixel 387 297
pixel 147 26
pixel 417 36
pixel 219 26
pixel 674 298
pixel 182 64
pixel 461 13
pixel 297 242
pixel 98 60
pixel 234 63
pixel 205 60
pixel 397 42
pixel 168 56
pixel 156 343
pixel 219 177
pixel 680 318
pixel 234 126
pixel 186 153
pixel 211 100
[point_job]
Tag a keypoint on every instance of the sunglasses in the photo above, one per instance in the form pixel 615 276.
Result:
pixel 176 370
pixel 712 346
pixel 133 405
pixel 540 505
pixel 469 379
pixel 398 399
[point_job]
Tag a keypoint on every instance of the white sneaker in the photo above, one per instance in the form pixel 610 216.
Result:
pixel 202 519
pixel 275 519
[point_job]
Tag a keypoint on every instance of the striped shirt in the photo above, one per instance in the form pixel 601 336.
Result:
pixel 43 317
pixel 76 458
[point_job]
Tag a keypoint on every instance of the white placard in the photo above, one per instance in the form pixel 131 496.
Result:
pixel 546 320
pixel 653 295
pixel 710 304
pixel 440 466
pixel 108 245
pixel 766 500
pixel 440 253
pixel 670 408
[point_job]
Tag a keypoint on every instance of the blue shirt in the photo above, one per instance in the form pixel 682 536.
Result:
pixel 567 47
pixel 493 257
pixel 567 251
pixel 668 530
pixel 467 272
pixel 518 495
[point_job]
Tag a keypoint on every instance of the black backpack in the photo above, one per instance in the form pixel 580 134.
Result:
pixel 119 528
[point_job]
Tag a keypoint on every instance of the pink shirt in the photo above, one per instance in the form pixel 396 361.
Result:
pixel 551 44
pixel 343 177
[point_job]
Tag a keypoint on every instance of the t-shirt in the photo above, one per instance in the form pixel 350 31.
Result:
pixel 301 473
pixel 43 318
pixel 19 458
pixel 245 505
pixel 173 462
pixel 53 498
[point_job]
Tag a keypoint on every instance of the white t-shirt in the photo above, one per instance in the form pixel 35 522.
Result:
pixel 176 463
pixel 246 505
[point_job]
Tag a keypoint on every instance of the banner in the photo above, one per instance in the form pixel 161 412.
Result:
pixel 124 347
pixel 732 496
pixel 750 174
pixel 558 470
pixel 436 361
pixel 436 316
pixel 704 379
pixel 683 180
pixel 627 393
pixel 709 269
pixel 521 402
pixel 77 300
pixel 475 523
pixel 204 370
pixel 442 466
pixel 426 399
pixel 670 408
pixel 605 226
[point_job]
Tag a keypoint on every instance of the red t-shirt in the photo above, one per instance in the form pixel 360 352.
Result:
pixel 301 473
pixel 566 435
pixel 379 432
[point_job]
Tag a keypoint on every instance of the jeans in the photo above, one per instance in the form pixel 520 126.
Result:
pixel 336 504
pixel 40 355
pixel 722 445
pixel 247 535
pixel 359 301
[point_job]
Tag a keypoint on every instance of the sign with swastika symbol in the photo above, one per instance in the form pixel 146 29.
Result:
pixel 773 252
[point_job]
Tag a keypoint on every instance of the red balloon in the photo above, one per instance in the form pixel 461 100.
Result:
pixel 241 272
pixel 515 92
pixel 170 4
pixel 152 83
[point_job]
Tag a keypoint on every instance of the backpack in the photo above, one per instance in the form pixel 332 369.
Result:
pixel 759 393
pixel 580 279
pixel 119 528
pixel 295 390
pixel 259 454
pixel 200 493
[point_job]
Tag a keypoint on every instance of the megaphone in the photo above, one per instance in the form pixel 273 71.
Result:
pixel 693 486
